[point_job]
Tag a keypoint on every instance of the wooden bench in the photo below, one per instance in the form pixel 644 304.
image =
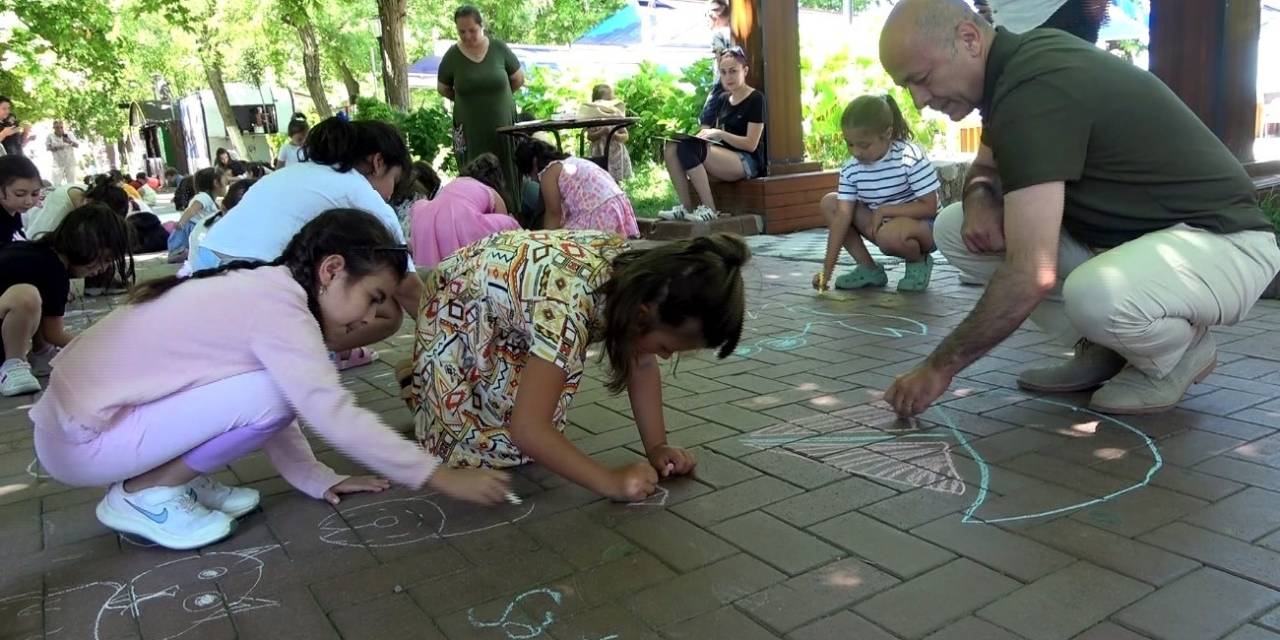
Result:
pixel 785 202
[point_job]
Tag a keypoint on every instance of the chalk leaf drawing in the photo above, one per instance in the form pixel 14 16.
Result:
pixel 174 597
pixel 516 630
pixel 909 457
pixel 400 521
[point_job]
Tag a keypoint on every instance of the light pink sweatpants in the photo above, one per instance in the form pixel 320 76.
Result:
pixel 207 427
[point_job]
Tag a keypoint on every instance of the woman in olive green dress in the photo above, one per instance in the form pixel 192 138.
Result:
pixel 479 75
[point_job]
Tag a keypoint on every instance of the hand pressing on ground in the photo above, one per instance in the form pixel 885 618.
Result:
pixel 481 486
pixel 633 483
pixel 356 484
pixel 671 461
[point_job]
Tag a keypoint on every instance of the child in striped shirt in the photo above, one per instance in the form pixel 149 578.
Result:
pixel 888 194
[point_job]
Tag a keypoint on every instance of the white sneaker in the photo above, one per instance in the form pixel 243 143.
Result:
pixel 16 378
pixel 168 516
pixel 42 361
pixel 215 496
pixel 703 214
pixel 113 290
pixel 677 212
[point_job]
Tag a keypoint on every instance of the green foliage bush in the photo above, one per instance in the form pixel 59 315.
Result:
pixel 428 128
pixel 664 103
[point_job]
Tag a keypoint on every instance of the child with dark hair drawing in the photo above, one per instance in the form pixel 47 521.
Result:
pixel 494 373
pixel 350 165
pixel 210 184
pixel 233 196
pixel 576 193
pixel 163 426
pixel 292 150
pixel 888 194
pixel 35 278
pixel 464 211
pixel 19 191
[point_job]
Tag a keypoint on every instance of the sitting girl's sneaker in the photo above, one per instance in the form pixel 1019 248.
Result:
pixel 168 516
pixel 862 277
pixel 917 275
pixel 16 378
pixel 215 496
pixel 674 213
pixel 702 214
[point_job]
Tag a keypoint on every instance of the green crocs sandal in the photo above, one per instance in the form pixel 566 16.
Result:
pixel 862 277
pixel 917 276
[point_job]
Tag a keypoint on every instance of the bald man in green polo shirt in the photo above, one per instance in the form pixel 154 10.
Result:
pixel 1099 206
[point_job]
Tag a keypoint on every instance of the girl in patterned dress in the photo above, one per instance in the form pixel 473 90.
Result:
pixel 502 344
pixel 576 193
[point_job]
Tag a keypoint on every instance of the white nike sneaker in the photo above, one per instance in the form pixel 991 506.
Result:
pixel 703 214
pixel 215 496
pixel 168 516
pixel 16 378
pixel 674 213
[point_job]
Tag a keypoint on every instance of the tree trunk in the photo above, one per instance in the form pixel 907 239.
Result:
pixel 213 71
pixel 311 65
pixel 348 79
pixel 395 68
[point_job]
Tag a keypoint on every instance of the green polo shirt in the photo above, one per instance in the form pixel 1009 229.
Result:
pixel 1134 158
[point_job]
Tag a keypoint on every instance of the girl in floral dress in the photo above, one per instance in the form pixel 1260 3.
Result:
pixel 576 193
pixel 502 344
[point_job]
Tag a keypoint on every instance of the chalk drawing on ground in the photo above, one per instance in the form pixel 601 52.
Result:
pixel 875 324
pixel 515 629
pixel 176 597
pixel 909 457
pixel 33 470
pixel 658 499
pixel 400 521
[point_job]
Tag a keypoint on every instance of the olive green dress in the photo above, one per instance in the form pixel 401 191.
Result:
pixel 482 103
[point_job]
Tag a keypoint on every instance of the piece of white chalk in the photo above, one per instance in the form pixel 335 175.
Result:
pixel 513 498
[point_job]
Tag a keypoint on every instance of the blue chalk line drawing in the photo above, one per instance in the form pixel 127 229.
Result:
pixel 519 630
pixel 791 342
pixel 984 471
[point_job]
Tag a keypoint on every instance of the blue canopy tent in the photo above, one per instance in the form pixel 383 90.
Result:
pixel 1127 20
pixel 423 73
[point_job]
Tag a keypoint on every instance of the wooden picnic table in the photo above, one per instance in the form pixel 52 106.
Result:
pixel 556 125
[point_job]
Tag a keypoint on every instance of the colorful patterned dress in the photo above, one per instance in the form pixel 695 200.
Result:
pixel 485 310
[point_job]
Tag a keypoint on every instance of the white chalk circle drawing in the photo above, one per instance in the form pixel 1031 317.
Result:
pixel 908 457
pixel 401 521
pixel 175 597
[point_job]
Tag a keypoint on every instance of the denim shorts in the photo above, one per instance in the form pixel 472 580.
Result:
pixel 750 166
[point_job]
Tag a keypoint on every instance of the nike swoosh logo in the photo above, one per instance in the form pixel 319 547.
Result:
pixel 158 518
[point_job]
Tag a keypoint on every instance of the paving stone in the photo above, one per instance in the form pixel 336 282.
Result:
pixel 579 539
pixel 1192 447
pixel 1109 631
pixel 367 584
pixel 1223 402
pixel 516 573
pixel 1242 471
pixel 1137 512
pixel 795 468
pixel 703 590
pixel 603 622
pixel 1265 451
pixel 597 419
pixel 388 618
pixel 738 499
pixel 882 546
pixel 721 471
pixel 953 590
pixel 1252 632
pixel 75 523
pixel 834 499
pixel 916 507
pixel 971 629
pixel 676 541
pixel 298 616
pixel 841 625
pixel 820 592
pixel 788 549
pixel 1223 552
pixel 1007 552
pixel 621 577
pixel 1179 479
pixel 1205 604
pixel 715 398
pixel 1247 515
pixel 1064 603
pixel 1103 548
pixel 698 434
pixel 733 417
pixel 20 528
pixel 726 622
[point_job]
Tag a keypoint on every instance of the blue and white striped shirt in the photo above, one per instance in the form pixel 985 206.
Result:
pixel 902 175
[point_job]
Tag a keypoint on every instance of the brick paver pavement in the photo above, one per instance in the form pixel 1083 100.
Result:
pixel 814 512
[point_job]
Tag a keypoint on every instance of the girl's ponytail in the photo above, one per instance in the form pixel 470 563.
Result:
pixel 900 129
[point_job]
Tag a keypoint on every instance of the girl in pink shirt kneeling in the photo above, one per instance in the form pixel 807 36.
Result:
pixel 169 412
